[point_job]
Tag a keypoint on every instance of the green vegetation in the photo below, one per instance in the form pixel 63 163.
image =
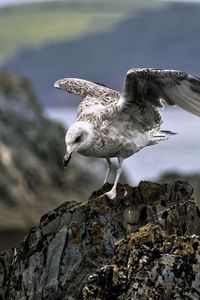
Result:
pixel 30 25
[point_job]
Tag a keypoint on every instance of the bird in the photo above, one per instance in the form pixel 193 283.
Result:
pixel 111 124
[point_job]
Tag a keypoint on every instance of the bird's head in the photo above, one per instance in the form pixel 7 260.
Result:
pixel 79 138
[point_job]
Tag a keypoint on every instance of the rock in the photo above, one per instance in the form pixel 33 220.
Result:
pixel 32 179
pixel 150 264
pixel 143 244
pixel 193 179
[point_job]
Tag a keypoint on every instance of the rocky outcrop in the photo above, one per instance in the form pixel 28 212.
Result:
pixel 142 245
pixel 32 179
pixel 193 179
pixel 150 264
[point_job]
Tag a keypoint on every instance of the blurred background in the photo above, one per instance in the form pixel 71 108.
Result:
pixel 98 40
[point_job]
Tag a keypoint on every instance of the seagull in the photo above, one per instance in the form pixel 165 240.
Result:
pixel 113 124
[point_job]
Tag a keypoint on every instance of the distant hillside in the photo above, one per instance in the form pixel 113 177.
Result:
pixel 34 24
pixel 164 37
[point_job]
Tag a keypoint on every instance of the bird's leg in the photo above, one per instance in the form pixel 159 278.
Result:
pixel 112 193
pixel 108 170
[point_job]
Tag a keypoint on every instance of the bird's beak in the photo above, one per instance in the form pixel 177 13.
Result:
pixel 66 159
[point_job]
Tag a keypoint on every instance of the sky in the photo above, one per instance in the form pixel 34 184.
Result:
pixel 9 2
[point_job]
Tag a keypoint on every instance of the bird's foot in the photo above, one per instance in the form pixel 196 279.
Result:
pixel 111 194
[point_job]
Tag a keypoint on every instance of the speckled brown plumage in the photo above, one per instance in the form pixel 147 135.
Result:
pixel 113 124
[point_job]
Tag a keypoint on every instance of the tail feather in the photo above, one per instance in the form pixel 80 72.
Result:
pixel 161 135
pixel 168 132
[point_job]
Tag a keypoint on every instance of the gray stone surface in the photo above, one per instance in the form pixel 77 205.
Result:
pixel 32 179
pixel 143 243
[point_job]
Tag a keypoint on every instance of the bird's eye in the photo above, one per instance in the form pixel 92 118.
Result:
pixel 77 139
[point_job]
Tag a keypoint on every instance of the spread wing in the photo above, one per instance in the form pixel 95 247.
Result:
pixel 146 87
pixel 96 97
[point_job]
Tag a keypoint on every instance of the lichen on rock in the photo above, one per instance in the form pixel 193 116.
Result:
pixel 149 265
pixel 142 245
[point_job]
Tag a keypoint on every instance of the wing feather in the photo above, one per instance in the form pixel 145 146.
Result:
pixel 84 88
pixel 152 85
pixel 97 98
